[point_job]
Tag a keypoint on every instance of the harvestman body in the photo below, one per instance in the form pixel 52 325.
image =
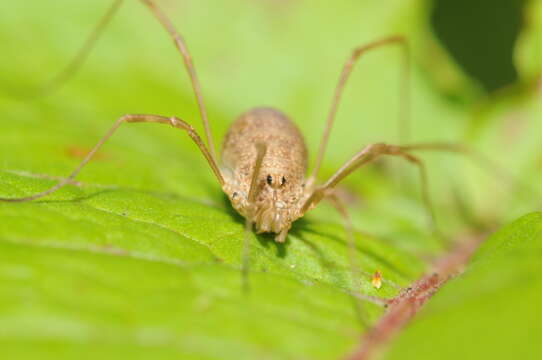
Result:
pixel 270 200
pixel 264 157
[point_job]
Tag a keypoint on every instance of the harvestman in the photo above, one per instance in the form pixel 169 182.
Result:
pixel 264 157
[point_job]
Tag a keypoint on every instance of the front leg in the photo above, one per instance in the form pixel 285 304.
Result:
pixel 130 118
pixel 365 156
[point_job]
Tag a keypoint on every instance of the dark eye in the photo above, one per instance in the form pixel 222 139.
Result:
pixel 269 179
pixel 234 195
pixel 283 181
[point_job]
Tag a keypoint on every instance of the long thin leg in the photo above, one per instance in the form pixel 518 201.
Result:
pixel 479 159
pixel 366 155
pixel 173 121
pixel 354 264
pixel 261 149
pixel 347 69
pixel 77 61
pixel 371 152
pixel 245 261
pixel 183 49
pixel 349 227
pixel 91 41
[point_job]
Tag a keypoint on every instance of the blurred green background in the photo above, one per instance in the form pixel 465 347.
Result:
pixel 143 259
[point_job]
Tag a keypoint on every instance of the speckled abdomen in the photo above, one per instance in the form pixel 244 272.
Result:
pixel 286 150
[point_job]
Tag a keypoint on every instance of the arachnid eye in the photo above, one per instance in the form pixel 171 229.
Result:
pixel 283 181
pixel 269 179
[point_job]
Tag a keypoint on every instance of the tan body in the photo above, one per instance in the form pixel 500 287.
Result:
pixel 280 181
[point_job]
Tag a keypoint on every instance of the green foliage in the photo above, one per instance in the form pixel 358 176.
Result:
pixel 489 312
pixel 142 259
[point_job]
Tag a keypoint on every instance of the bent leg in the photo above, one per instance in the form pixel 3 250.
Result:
pixel 175 122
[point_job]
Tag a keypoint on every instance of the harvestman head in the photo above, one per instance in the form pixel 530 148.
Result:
pixel 264 157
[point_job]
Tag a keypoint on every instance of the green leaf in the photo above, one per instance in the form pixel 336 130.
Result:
pixel 142 260
pixel 491 310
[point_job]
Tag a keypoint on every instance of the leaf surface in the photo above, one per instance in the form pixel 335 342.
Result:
pixel 142 259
